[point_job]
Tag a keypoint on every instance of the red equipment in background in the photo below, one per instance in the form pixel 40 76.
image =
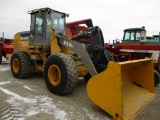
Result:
pixel 6 48
pixel 76 27
pixel 135 46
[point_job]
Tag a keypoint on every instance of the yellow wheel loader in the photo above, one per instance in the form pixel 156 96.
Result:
pixel 121 89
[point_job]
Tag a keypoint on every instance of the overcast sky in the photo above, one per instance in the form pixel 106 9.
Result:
pixel 112 16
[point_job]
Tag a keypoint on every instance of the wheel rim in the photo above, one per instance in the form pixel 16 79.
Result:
pixel 54 75
pixel 15 65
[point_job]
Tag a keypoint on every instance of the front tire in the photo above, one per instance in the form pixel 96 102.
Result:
pixel 60 74
pixel 21 65
pixel 156 78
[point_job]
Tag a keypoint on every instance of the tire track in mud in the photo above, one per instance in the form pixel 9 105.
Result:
pixel 8 111
pixel 38 101
pixel 28 105
pixel 30 99
pixel 14 101
pixel 58 103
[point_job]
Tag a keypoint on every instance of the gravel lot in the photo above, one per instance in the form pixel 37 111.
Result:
pixel 30 99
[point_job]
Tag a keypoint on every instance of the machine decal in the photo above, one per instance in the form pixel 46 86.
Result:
pixel 68 44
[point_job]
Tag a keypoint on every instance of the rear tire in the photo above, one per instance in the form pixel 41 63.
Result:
pixel 108 55
pixel 0 56
pixel 60 74
pixel 21 65
pixel 87 77
pixel 156 78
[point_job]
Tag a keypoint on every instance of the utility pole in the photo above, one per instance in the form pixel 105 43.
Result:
pixel 3 35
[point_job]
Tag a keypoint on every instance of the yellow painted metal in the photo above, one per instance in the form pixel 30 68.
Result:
pixel 40 9
pixel 16 42
pixel 15 65
pixel 20 45
pixel 37 10
pixel 54 75
pixel 82 70
pixel 124 88
pixel 44 54
pixel 54 43
pixel 37 67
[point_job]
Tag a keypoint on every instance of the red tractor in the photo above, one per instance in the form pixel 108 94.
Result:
pixel 135 46
pixel 6 48
pixel 76 27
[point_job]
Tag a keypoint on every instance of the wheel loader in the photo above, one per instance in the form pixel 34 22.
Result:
pixel 121 89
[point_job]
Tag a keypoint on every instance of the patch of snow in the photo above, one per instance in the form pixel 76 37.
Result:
pixel 18 97
pixel 28 88
pixel 3 83
pixel 89 114
pixel 32 112
pixel 92 116
pixel 3 58
pixel 81 78
pixel 35 105
pixel 4 69
pixel 45 105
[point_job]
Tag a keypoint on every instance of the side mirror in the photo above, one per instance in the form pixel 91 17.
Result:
pixel 143 36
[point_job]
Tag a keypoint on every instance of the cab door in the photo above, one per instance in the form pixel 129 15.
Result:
pixel 37 29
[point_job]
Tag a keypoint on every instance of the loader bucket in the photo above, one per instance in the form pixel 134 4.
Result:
pixel 124 88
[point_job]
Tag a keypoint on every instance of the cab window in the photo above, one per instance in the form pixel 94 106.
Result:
pixel 127 36
pixel 137 35
pixel 38 25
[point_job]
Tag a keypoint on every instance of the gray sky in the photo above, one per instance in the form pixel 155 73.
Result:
pixel 112 16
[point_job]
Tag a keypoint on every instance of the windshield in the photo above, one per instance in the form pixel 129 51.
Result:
pixel 132 35
pixel 58 22
pixel 156 38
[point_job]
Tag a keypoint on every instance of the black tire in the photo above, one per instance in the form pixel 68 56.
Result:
pixel 156 78
pixel 102 65
pixel 0 56
pixel 63 74
pixel 87 77
pixel 21 65
pixel 108 55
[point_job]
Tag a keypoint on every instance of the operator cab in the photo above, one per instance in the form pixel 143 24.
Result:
pixel 156 37
pixel 134 35
pixel 42 21
pixel 149 38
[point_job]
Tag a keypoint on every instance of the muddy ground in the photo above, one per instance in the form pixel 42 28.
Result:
pixel 30 99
